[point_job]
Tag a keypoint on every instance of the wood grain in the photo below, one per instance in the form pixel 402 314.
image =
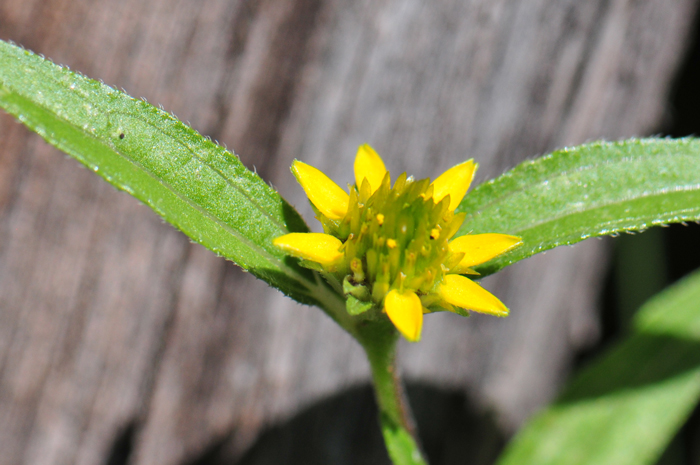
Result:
pixel 115 328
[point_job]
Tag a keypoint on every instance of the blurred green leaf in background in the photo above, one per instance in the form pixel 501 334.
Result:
pixel 626 407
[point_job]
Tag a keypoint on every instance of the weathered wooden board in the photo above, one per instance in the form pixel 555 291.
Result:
pixel 114 328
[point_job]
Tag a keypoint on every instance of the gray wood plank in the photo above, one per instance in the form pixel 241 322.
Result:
pixel 113 322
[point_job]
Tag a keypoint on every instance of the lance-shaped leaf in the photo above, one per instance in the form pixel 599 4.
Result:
pixel 625 408
pixel 193 183
pixel 587 191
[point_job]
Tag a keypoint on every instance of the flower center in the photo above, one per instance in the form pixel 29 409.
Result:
pixel 397 238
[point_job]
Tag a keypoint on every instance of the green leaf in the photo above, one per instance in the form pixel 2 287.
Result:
pixel 194 184
pixel 587 191
pixel 625 408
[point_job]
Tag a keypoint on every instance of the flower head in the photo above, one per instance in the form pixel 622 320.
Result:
pixel 391 246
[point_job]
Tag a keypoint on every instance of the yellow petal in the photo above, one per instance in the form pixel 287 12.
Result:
pixel 455 183
pixel 480 248
pixel 317 247
pixel 406 312
pixel 326 195
pixel 465 293
pixel 369 165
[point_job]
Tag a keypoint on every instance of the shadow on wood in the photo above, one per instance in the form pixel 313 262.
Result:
pixel 343 430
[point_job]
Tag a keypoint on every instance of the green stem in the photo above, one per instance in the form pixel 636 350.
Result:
pixel 378 338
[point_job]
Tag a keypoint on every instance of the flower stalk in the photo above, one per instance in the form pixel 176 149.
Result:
pixel 397 423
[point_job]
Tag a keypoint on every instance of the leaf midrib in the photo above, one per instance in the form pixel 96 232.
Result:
pixel 603 205
pixel 220 173
pixel 556 217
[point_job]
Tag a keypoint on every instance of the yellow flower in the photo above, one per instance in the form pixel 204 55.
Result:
pixel 390 246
